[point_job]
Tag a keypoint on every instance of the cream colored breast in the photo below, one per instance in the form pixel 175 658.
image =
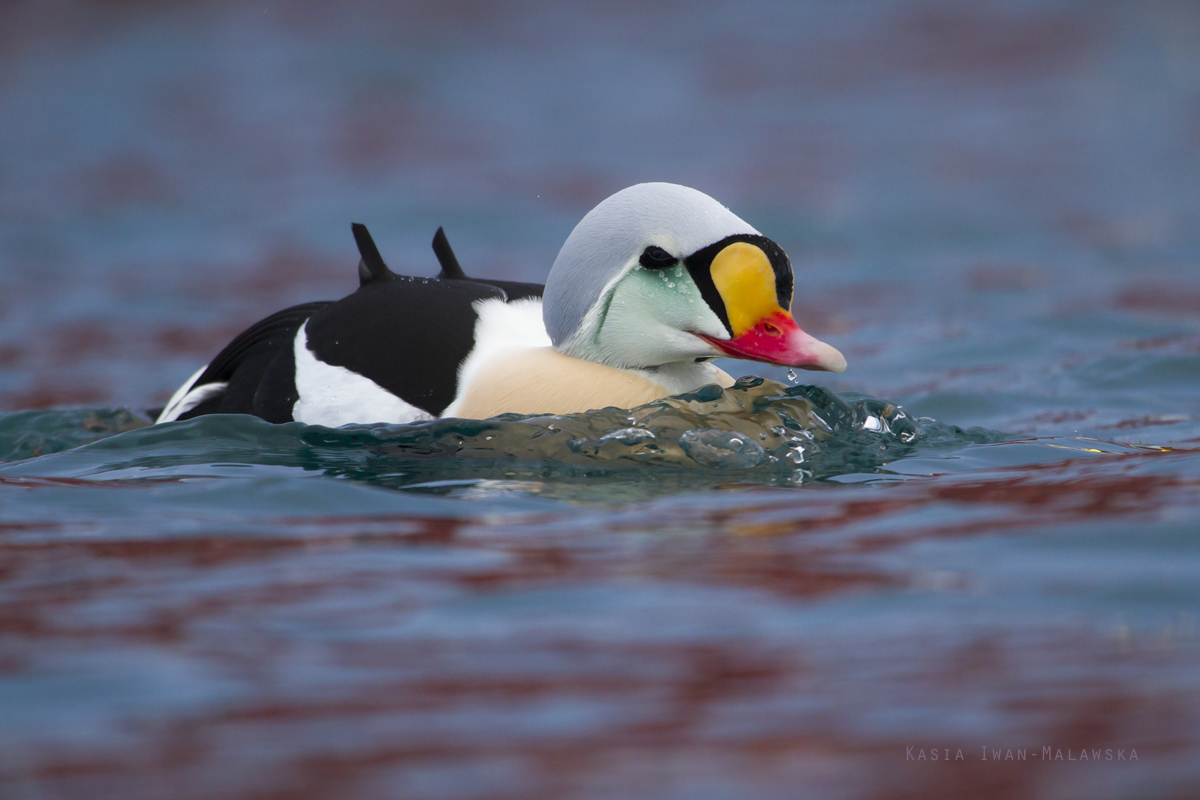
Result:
pixel 542 381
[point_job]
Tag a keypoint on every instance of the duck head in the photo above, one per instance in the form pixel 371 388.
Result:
pixel 660 273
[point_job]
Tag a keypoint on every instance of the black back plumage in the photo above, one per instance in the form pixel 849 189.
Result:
pixel 371 266
pixel 451 271
pixel 409 335
pixel 244 363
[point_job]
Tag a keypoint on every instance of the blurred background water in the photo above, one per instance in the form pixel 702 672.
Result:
pixel 994 212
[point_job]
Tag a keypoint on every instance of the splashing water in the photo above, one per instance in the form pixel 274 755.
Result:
pixel 758 430
pixel 792 377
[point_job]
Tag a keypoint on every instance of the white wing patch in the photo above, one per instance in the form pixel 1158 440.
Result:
pixel 502 328
pixel 334 396
pixel 186 397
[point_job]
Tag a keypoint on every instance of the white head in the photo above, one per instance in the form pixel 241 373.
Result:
pixel 660 273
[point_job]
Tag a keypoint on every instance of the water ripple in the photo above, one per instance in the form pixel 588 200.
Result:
pixel 757 431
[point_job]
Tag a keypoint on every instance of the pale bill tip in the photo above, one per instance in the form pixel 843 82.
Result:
pixel 829 358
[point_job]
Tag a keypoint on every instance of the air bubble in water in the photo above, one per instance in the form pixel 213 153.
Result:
pixel 722 449
pixel 628 436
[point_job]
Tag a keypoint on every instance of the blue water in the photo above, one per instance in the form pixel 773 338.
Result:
pixel 983 536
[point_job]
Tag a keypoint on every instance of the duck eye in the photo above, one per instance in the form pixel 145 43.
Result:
pixel 654 257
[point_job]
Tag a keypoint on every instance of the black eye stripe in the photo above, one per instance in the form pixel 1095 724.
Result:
pixel 654 257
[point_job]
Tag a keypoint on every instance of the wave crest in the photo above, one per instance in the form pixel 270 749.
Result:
pixel 757 431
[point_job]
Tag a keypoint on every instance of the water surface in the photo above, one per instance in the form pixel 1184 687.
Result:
pixel 982 537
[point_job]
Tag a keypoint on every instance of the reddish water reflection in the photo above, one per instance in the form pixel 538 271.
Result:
pixel 991 208
pixel 359 658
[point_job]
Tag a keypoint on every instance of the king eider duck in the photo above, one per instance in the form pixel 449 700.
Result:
pixel 652 284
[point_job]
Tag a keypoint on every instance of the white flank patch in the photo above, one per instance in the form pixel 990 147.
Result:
pixel 502 328
pixel 186 398
pixel 334 396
